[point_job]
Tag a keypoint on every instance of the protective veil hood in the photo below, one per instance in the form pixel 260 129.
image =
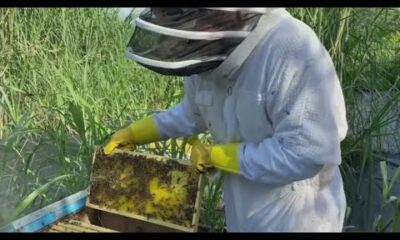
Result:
pixel 187 41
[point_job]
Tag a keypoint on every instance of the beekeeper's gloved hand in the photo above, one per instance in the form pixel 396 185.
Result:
pixel 139 132
pixel 222 156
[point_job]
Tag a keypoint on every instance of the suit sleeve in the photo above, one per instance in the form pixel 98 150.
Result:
pixel 182 119
pixel 308 117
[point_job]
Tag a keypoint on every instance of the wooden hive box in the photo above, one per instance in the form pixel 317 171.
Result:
pixel 140 192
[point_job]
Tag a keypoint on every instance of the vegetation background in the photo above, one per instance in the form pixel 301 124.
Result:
pixel 66 85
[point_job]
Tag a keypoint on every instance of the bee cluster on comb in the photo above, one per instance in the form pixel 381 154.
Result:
pixel 147 185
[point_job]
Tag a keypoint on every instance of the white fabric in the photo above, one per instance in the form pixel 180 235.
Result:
pixel 170 65
pixel 194 35
pixel 257 10
pixel 286 106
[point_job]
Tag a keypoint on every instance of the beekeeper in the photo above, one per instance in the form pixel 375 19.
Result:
pixel 264 86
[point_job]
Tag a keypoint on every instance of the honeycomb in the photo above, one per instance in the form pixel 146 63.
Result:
pixel 146 185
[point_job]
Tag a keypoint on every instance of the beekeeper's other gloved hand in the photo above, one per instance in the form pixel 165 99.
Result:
pixel 222 156
pixel 139 132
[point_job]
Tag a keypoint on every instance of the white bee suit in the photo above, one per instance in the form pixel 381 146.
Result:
pixel 286 106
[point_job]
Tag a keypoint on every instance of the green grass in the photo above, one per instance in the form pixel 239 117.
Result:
pixel 64 72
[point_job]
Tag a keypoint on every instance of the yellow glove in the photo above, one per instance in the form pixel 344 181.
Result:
pixel 140 132
pixel 222 156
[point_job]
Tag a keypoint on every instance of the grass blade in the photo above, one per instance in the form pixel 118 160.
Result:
pixel 31 197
